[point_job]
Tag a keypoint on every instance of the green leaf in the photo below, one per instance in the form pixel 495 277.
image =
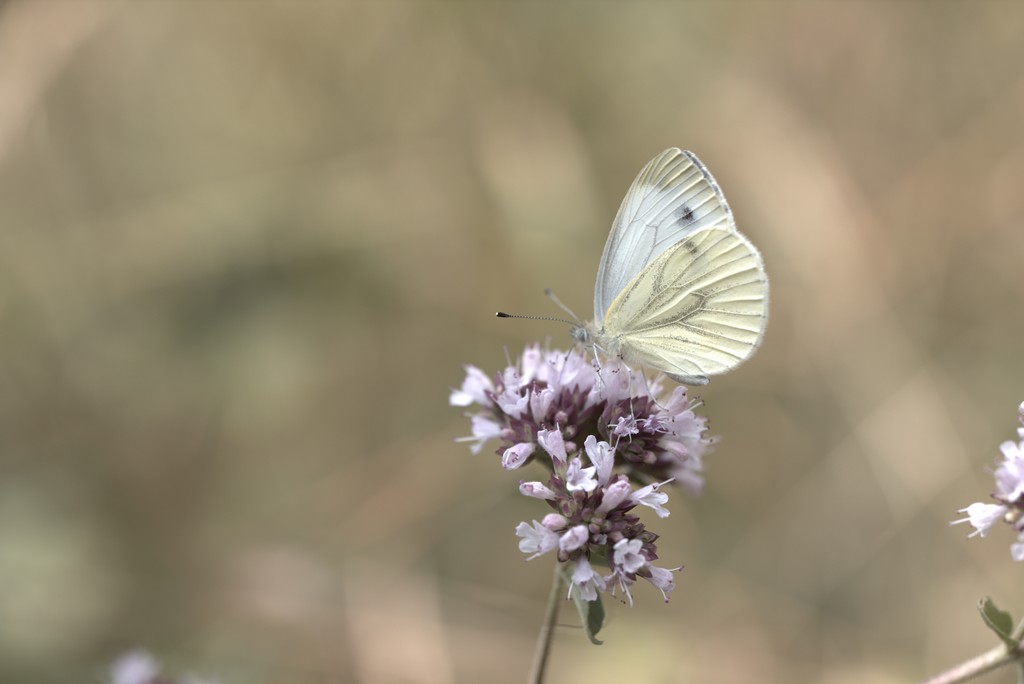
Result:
pixel 1018 633
pixel 591 616
pixel 999 621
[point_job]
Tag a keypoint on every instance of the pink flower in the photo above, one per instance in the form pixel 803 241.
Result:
pixel 596 431
pixel 1008 495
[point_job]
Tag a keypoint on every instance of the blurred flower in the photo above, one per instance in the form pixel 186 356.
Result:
pixel 609 445
pixel 139 667
pixel 134 667
pixel 1008 494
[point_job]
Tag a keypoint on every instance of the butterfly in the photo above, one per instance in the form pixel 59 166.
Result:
pixel 679 289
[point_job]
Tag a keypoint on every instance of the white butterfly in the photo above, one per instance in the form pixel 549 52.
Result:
pixel 679 289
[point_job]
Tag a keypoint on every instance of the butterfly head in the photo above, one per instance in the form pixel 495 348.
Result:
pixel 581 334
pixel 589 335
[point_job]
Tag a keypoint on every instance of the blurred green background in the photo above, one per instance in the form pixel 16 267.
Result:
pixel 245 248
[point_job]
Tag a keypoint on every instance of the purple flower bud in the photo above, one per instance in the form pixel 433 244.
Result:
pixel 614 495
pixel 516 455
pixel 554 522
pixel 574 538
pixel 536 489
pixel 551 441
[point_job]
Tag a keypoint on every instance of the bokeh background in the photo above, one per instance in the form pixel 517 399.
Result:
pixel 246 247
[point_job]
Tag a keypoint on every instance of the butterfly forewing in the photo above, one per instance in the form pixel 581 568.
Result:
pixel 673 196
pixel 698 309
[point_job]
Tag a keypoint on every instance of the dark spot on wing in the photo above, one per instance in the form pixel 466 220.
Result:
pixel 685 214
pixel 690 246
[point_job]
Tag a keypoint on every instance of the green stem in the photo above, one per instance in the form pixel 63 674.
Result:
pixel 977 666
pixel 547 630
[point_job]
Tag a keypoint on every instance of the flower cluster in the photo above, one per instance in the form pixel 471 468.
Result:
pixel 609 446
pixel 1009 495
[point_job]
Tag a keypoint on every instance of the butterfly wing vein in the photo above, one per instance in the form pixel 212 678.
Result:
pixel 697 310
pixel 673 196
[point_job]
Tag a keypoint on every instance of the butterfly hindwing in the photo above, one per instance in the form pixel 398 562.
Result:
pixel 698 309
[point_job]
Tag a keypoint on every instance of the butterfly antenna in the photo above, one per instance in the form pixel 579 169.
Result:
pixel 551 295
pixel 502 314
